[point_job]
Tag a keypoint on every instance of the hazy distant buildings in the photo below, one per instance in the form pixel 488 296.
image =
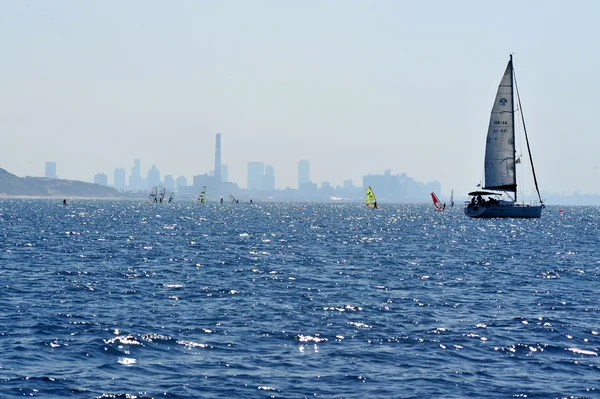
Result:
pixel 303 172
pixel 224 173
pixel 399 187
pixel 135 179
pixel 348 184
pixel 101 178
pixel 269 179
pixel 256 173
pixel 169 182
pixel 181 182
pixel 50 170
pixel 119 179
pixel 153 177
pixel 218 177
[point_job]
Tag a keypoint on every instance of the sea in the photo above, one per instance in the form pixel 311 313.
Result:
pixel 125 299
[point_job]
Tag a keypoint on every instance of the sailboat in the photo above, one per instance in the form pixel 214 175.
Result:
pixel 500 186
pixel 153 195
pixel 437 204
pixel 371 201
pixel 202 196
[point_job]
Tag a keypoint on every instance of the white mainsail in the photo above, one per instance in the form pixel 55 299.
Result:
pixel 500 145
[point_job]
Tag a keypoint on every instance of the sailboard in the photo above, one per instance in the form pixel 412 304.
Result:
pixel 371 200
pixel 172 196
pixel 451 198
pixel 233 199
pixel 162 194
pixel 437 204
pixel 153 195
pixel 202 196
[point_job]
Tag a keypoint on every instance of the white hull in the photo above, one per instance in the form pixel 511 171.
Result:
pixel 503 211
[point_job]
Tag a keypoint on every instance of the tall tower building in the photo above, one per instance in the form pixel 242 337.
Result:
pixel 50 170
pixel 218 163
pixel 303 172
pixel 224 173
pixel 135 179
pixel 269 179
pixel 119 179
pixel 153 177
pixel 256 173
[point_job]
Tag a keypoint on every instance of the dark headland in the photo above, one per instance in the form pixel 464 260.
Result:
pixel 14 186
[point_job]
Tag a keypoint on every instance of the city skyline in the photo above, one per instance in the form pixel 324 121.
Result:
pixel 391 85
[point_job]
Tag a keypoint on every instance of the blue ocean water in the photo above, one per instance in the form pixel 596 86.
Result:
pixel 121 299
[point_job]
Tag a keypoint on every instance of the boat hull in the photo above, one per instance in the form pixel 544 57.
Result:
pixel 504 211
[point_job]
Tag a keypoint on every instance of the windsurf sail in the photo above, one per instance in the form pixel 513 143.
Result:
pixel 371 200
pixel 451 198
pixel 172 196
pixel 233 199
pixel 202 196
pixel 436 203
pixel 162 194
pixel 153 195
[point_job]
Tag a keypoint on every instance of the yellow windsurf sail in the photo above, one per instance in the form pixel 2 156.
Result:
pixel 371 201
pixel 202 196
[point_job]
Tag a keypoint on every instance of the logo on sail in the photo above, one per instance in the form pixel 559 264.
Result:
pixel 503 101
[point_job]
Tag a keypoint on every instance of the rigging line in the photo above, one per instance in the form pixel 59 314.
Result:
pixel 527 140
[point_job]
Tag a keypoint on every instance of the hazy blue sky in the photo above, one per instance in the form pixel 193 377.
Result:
pixel 355 87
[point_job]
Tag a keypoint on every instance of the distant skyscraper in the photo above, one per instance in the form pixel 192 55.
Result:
pixel 119 179
pixel 218 163
pixel 303 172
pixel 169 182
pixel 269 179
pixel 135 179
pixel 50 170
pixel 153 177
pixel 224 173
pixel 181 182
pixel 256 172
pixel 101 178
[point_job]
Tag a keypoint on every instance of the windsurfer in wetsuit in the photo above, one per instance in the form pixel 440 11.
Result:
pixel 65 202
pixel 375 205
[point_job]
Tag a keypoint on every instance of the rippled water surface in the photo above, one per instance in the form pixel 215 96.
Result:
pixel 104 299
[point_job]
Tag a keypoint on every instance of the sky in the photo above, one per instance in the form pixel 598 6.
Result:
pixel 355 87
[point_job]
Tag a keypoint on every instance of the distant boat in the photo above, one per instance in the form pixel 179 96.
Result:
pixel 233 199
pixel 162 194
pixel 371 200
pixel 202 196
pixel 501 160
pixel 437 204
pixel 153 195
pixel 451 198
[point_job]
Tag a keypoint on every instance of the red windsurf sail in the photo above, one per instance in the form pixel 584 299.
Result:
pixel 436 202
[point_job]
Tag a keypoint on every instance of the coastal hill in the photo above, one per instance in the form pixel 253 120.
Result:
pixel 11 185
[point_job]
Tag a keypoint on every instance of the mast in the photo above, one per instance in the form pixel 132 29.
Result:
pixel 512 98
pixel 527 141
